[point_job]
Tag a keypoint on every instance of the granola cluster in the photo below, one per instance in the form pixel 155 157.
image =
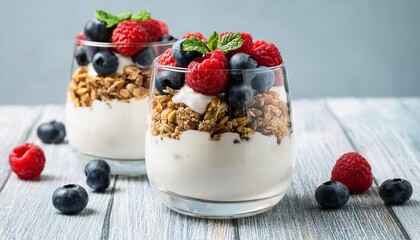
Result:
pixel 267 114
pixel 133 83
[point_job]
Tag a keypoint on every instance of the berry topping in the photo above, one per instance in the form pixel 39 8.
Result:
pixel 52 132
pixel 152 28
pixel 263 80
pixel 105 62
pixel 183 58
pixel 208 75
pixel 266 54
pixel 144 57
pixel 240 96
pixel 27 161
pixel 163 28
pixel 246 45
pixel 242 61
pixel 194 34
pixel 98 175
pixel 332 194
pixel 80 56
pixel 167 38
pixel 79 38
pixel 97 31
pixel 172 79
pixel 128 34
pixel 167 58
pixel 395 191
pixel 70 199
pixel 354 171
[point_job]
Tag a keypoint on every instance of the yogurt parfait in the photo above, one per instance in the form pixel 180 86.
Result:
pixel 219 142
pixel 108 93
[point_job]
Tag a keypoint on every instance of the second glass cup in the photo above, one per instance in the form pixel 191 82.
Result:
pixel 107 103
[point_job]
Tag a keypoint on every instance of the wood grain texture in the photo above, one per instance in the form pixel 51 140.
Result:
pixel 320 141
pixel 26 210
pixel 387 133
pixel 15 124
pixel 138 214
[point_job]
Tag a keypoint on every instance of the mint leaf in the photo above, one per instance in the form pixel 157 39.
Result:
pixel 230 42
pixel 109 19
pixel 213 41
pixel 142 15
pixel 124 15
pixel 195 44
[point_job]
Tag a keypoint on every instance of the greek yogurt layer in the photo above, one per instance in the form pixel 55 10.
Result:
pixel 114 130
pixel 230 169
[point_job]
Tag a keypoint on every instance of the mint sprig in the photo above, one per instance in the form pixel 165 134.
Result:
pixel 111 20
pixel 142 15
pixel 227 43
pixel 230 42
pixel 212 43
pixel 195 44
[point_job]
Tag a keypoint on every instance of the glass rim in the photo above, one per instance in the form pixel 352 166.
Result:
pixel 89 43
pixel 156 64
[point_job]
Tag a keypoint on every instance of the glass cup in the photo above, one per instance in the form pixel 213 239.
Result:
pixel 107 102
pixel 225 156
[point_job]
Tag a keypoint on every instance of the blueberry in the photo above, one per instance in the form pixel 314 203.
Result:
pixel 144 57
pixel 70 199
pixel 81 56
pixel 172 79
pixel 182 57
pixel 242 61
pixel 105 62
pixel 97 31
pixel 332 194
pixel 167 38
pixel 240 96
pixel 91 51
pixel 52 132
pixel 98 175
pixel 263 80
pixel 395 191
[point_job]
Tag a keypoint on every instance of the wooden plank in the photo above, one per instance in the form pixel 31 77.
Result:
pixel 138 214
pixel 320 141
pixel 26 210
pixel 15 124
pixel 387 132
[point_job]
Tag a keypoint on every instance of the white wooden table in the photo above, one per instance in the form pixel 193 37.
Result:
pixel 385 131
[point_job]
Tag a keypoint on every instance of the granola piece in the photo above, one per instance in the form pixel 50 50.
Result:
pixel 187 119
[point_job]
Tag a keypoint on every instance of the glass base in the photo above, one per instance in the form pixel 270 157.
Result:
pixel 215 209
pixel 131 167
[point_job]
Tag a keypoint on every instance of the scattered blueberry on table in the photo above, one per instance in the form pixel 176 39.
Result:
pixel 70 199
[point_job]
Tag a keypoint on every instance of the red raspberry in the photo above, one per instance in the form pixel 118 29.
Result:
pixel 152 28
pixel 79 38
pixel 167 58
pixel 131 33
pixel 266 54
pixel 163 27
pixel 354 171
pixel 194 34
pixel 27 160
pixel 208 75
pixel 246 45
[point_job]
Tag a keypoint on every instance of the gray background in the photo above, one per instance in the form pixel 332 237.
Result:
pixel 331 47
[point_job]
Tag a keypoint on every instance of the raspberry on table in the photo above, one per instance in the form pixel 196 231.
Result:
pixel 131 33
pixel 27 161
pixel 266 54
pixel 246 45
pixel 167 58
pixel 194 34
pixel 153 30
pixel 208 74
pixel 354 171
